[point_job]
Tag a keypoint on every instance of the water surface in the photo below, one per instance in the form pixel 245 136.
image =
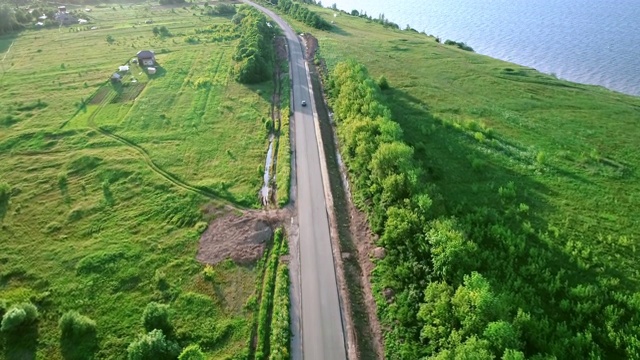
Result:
pixel 587 41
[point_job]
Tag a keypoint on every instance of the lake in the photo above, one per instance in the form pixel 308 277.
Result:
pixel 586 41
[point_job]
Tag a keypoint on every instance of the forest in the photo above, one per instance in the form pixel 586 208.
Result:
pixel 482 283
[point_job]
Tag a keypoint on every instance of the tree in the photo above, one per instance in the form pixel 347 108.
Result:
pixel 74 326
pixel 78 336
pixel 156 316
pixel 355 12
pixel 452 254
pixel 153 346
pixel 192 352
pixel 502 336
pixel 19 316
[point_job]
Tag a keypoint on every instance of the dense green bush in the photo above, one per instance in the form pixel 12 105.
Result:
pixel 279 340
pixel 254 52
pixel 222 9
pixel 156 316
pixel 19 316
pixel 78 336
pixel 484 284
pixel 74 326
pixel 192 352
pixel 302 13
pixel 153 346
pixel 460 45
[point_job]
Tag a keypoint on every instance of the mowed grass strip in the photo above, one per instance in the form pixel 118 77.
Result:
pixel 88 225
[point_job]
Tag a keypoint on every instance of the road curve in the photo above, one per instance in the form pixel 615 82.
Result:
pixel 322 331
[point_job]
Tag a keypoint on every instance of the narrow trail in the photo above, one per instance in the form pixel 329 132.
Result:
pixel 152 165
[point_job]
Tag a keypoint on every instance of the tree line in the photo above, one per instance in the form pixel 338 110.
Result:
pixel 254 52
pixel 302 13
pixel 483 283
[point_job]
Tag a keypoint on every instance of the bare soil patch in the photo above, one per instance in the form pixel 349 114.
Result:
pixel 99 96
pixel 129 92
pixel 240 237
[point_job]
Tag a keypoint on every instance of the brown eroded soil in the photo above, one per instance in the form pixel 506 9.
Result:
pixel 241 237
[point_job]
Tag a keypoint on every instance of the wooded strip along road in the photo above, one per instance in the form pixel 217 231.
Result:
pixel 322 331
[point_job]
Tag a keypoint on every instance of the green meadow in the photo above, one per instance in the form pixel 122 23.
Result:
pixel 106 187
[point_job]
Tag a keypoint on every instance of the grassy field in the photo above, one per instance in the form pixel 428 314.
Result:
pixel 477 123
pixel 100 217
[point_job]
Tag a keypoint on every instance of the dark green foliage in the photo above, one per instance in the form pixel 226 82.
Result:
pixel 77 336
pixel 156 316
pixel 5 195
pixel 170 2
pixel 153 346
pixel 192 352
pixel 279 340
pixel 484 284
pixel 461 45
pixel 383 83
pixel 302 13
pixel 267 298
pixel 254 53
pixel 222 9
pixel 13 19
pixel 18 317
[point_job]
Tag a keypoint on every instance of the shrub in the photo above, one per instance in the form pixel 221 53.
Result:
pixel 191 352
pixel 156 317
pixel 383 83
pixel 18 316
pixel 5 193
pixel 14 318
pixel 208 273
pixel 153 346
pixel 74 326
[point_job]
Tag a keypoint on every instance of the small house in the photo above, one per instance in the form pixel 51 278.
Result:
pixel 116 78
pixel 82 21
pixel 43 17
pixel 123 68
pixel 146 58
pixel 87 10
pixel 39 23
pixel 62 9
pixel 151 70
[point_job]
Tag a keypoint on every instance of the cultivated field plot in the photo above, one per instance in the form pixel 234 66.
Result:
pixel 89 221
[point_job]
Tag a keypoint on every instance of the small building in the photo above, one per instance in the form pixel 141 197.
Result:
pixel 116 78
pixel 87 10
pixel 43 17
pixel 82 21
pixel 39 23
pixel 146 58
pixel 123 68
pixel 151 70
pixel 62 9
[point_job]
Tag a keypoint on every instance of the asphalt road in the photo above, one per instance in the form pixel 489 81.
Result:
pixel 322 331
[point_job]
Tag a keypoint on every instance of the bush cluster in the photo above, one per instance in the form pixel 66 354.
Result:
pixel 302 13
pixel 267 299
pixel 254 52
pixel 74 327
pixel 19 316
pixel 484 284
